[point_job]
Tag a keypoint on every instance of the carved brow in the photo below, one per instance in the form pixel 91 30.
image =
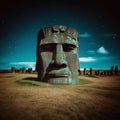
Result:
pixel 68 47
pixel 51 47
pixel 47 47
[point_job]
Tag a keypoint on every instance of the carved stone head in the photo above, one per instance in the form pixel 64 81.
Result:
pixel 57 55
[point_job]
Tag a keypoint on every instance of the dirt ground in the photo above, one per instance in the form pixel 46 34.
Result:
pixel 98 99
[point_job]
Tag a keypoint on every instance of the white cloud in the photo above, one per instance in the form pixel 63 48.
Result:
pixel 85 35
pixel 26 64
pixel 91 59
pixel 87 59
pixel 91 51
pixel 102 50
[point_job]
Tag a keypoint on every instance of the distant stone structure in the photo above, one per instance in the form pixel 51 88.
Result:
pixel 116 70
pixel 13 69
pixel 84 71
pixel 90 71
pixel 23 69
pixel 57 55
pixel 112 71
pixel 29 70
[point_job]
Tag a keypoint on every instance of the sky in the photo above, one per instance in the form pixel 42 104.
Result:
pixel 97 22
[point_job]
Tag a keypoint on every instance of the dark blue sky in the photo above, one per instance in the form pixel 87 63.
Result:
pixel 97 22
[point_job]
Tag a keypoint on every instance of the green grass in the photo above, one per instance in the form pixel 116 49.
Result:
pixel 38 83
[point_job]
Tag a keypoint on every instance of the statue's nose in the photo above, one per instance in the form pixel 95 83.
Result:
pixel 59 56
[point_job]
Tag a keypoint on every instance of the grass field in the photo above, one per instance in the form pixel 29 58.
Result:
pixel 24 98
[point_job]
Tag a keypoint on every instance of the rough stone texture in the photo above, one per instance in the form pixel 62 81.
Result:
pixel 57 55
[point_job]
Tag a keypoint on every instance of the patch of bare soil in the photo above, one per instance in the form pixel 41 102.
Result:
pixel 97 100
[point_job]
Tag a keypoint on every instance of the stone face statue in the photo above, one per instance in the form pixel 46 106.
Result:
pixel 57 55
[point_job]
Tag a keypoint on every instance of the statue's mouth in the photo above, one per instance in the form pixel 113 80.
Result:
pixel 59 73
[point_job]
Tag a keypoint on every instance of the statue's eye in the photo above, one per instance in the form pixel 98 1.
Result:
pixel 47 48
pixel 68 47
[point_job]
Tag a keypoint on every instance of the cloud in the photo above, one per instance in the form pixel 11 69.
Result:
pixel 94 59
pixel 85 35
pixel 102 50
pixel 87 59
pixel 91 51
pixel 26 64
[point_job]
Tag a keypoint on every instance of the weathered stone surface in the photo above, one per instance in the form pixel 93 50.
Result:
pixel 57 55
